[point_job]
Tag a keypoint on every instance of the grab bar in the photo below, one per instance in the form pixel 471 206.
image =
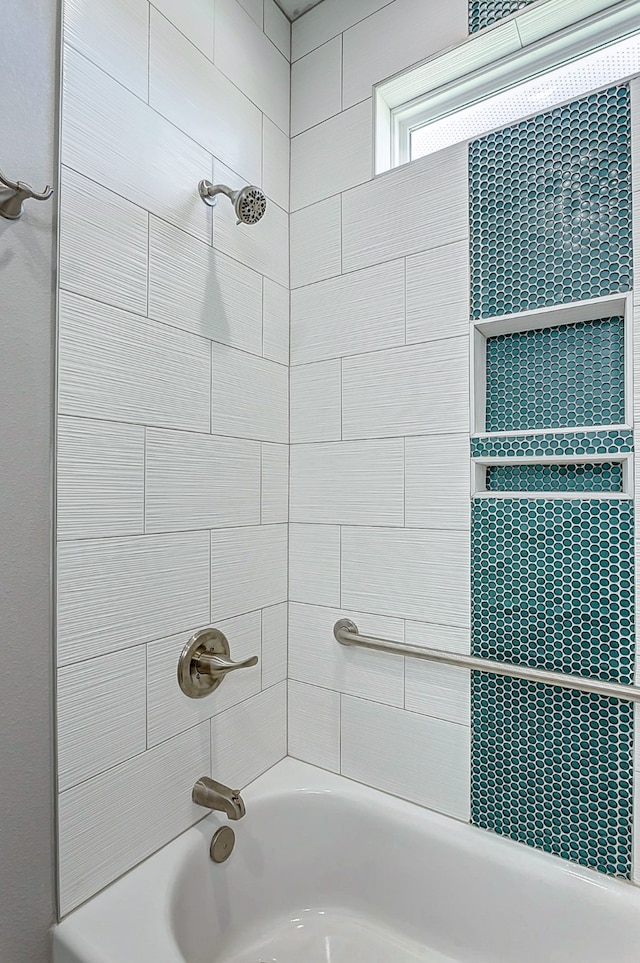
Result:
pixel 346 633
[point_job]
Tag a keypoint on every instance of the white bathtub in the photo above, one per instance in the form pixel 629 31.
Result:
pixel 327 871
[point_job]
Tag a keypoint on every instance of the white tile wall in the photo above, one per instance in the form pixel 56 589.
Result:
pixel 275 484
pixel 438 482
pixel 438 293
pixel 314 564
pixel 277 27
pixel 249 396
pixel 316 402
pixel 250 738
pixel 200 481
pixel 314 725
pixel 316 242
pixel 248 569
pixel 193 18
pixel 348 483
pixel 275 338
pixel 274 644
pixel 316 86
pixel 275 164
pixel 328 20
pixel 441 691
pixel 350 314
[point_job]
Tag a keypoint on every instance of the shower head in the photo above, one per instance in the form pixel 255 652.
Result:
pixel 249 202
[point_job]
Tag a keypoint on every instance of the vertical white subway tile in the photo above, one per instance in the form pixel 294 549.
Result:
pixel 251 61
pixel 120 367
pixel 316 242
pixel 363 311
pixel 331 157
pixel 411 209
pixel 314 564
pixel 314 725
pixel 114 138
pixel 274 644
pixel 315 657
pixel 277 27
pixel 200 481
pixel 316 402
pixel 438 293
pixel 201 290
pixel 275 164
pixel 114 593
pixel 248 569
pixel 316 86
pixel 101 714
pixel 407 391
pixel 380 746
pixel 438 482
pixel 328 19
pixel 169 710
pixel 114 34
pixel 104 826
pixel 413 573
pixel 193 18
pixel 348 483
pixel 103 244
pixel 250 738
pixel 187 89
pixel 275 321
pixel 249 396
pixel 100 479
pixel 275 484
pixel 401 34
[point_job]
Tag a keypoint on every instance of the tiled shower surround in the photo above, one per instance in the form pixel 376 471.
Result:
pixel 194 491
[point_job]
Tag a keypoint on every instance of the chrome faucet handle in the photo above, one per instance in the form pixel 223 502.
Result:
pixel 204 663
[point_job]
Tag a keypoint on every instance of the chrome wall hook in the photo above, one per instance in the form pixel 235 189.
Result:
pixel 13 194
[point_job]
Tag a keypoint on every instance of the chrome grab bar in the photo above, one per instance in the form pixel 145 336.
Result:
pixel 346 632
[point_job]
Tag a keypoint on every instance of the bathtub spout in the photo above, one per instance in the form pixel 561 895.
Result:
pixel 213 795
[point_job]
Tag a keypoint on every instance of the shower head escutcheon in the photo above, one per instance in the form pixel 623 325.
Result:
pixel 249 202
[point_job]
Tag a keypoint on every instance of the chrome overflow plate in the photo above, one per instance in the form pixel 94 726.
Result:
pixel 222 844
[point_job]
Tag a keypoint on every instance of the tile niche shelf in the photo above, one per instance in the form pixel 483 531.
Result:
pixel 557 372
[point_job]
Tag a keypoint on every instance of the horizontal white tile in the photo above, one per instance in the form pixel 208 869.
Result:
pixel 264 246
pixel 438 482
pixel 317 658
pixel 316 402
pixel 251 61
pixel 114 34
pixel 117 366
pixel 438 293
pixel 275 336
pixel 193 18
pixel 316 242
pixel 250 738
pixel 407 391
pixel 418 758
pixel 440 691
pixel 169 711
pixel 415 573
pixel 395 37
pixel 200 481
pixel 275 484
pixel 101 713
pixel 332 157
pixel 314 725
pixel 277 27
pixel 316 86
pixel 105 828
pixel 103 244
pixel 414 208
pixel 275 163
pixel 427 635
pixel 114 593
pixel 255 10
pixel 192 93
pixel 348 483
pixel 274 644
pixel 249 396
pixel 347 315
pixel 116 139
pixel 314 564
pixel 201 290
pixel 100 478
pixel 328 19
pixel 248 569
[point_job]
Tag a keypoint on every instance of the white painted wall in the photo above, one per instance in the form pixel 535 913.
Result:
pixel 172 415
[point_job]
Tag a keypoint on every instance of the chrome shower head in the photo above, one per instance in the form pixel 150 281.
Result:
pixel 249 202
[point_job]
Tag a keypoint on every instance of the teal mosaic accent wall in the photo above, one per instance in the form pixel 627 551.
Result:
pixel 550 207
pixel 553 769
pixel 597 477
pixel 551 445
pixel 547 378
pixel 482 13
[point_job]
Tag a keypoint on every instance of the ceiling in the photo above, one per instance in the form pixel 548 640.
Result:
pixel 295 8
